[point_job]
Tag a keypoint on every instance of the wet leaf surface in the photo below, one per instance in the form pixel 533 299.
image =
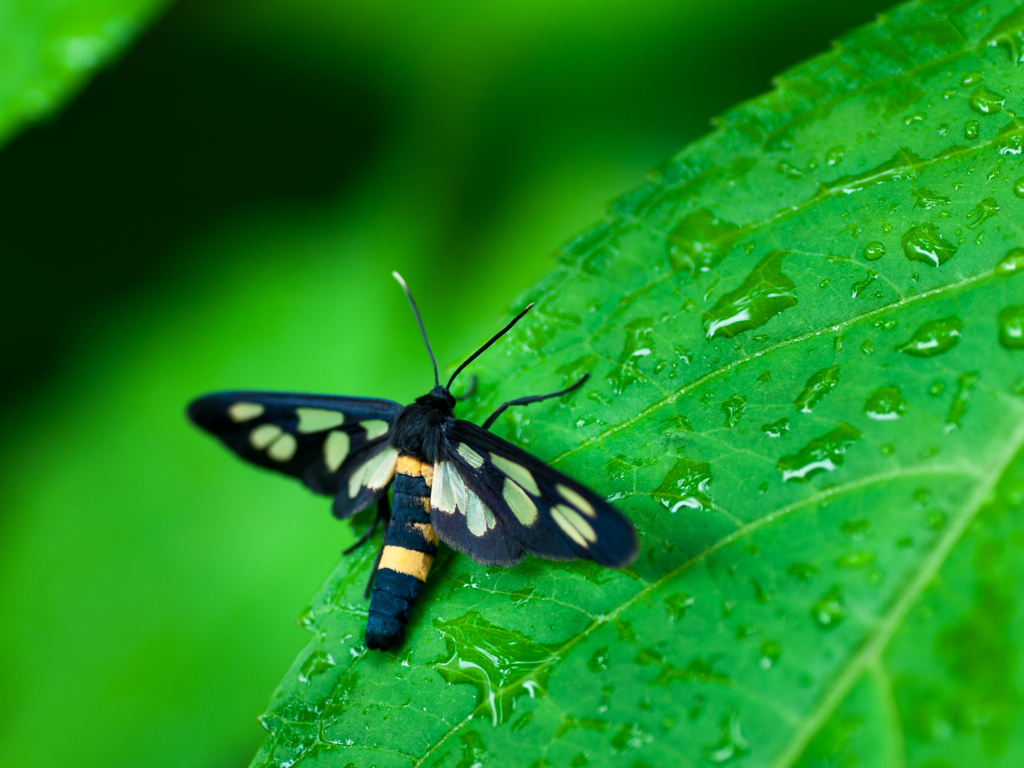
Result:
pixel 827 474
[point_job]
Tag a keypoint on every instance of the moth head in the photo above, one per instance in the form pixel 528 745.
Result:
pixel 442 393
pixel 445 391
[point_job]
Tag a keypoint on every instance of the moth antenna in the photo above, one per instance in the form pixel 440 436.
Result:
pixel 416 311
pixel 483 349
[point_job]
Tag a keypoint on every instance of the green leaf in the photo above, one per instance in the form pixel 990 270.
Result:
pixel 49 48
pixel 804 335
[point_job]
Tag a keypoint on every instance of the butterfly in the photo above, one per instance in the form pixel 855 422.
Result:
pixel 452 481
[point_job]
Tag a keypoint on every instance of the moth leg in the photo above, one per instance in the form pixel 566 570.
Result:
pixel 532 399
pixel 382 512
pixel 469 390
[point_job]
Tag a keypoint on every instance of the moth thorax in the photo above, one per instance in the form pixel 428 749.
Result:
pixel 417 430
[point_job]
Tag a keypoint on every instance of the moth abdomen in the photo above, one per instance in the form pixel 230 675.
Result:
pixel 409 550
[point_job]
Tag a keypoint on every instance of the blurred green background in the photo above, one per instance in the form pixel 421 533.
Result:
pixel 222 208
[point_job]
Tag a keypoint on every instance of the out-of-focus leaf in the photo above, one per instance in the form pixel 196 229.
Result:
pixel 49 48
pixel 807 364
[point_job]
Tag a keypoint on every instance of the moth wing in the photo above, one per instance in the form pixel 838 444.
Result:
pixel 337 446
pixel 494 501
pixel 465 511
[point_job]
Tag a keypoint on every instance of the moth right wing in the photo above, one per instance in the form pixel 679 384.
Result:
pixel 337 446
pixel 494 501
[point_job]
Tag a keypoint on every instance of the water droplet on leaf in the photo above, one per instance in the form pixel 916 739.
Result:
pixel 827 612
pixel 885 404
pixel 598 661
pixel 1011 327
pixel 766 292
pixel 678 604
pixel 700 241
pixel 685 486
pixel 1009 141
pixel 817 386
pixel 835 155
pixel 776 428
pixel 1007 34
pixel 858 288
pixel 315 664
pixel 732 744
pixel 787 170
pixel 637 345
pixel 501 664
pixel 927 199
pixel 986 101
pixel 822 454
pixel 902 165
pixel 924 243
pixel 771 652
pixel 874 251
pixel 1012 262
pixel 855 559
pixel 933 337
pixel 986 209
pixel 966 383
pixel 733 409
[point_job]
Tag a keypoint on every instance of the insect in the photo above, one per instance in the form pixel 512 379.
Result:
pixel 452 481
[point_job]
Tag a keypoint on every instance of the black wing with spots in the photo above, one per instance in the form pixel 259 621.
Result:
pixel 335 445
pixel 530 507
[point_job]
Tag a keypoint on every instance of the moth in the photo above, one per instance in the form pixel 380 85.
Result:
pixel 451 481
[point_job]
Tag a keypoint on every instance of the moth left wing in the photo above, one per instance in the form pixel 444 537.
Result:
pixel 337 446
pixel 494 501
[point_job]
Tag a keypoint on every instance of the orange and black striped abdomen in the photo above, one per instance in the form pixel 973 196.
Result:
pixel 409 549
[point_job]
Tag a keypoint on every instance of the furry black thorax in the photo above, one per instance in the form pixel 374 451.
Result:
pixel 417 428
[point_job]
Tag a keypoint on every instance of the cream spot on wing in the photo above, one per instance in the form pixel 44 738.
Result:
pixel 383 470
pixel 264 435
pixel 336 448
pixel 517 472
pixel 355 480
pixel 522 506
pixel 283 448
pixel 374 474
pixel 318 419
pixel 374 428
pixel 240 412
pixel 472 458
pixel 441 496
pixel 576 500
pixel 570 521
pixel 448 492
pixel 476 520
